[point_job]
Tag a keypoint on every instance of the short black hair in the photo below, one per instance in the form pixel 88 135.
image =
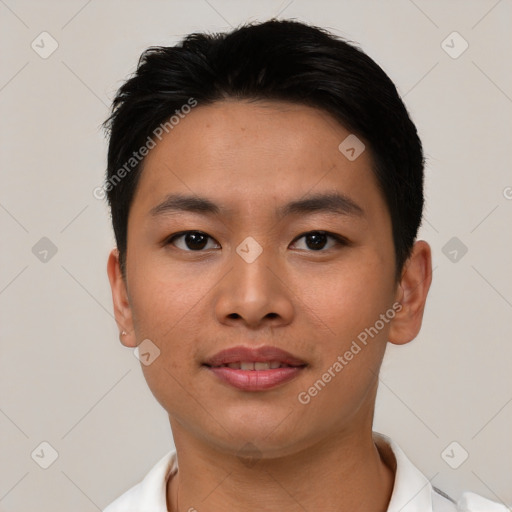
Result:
pixel 283 60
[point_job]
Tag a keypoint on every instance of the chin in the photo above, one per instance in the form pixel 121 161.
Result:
pixel 271 433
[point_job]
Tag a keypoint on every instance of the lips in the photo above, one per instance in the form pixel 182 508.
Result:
pixel 265 354
pixel 255 369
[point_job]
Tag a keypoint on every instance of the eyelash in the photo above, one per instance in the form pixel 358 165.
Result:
pixel 340 241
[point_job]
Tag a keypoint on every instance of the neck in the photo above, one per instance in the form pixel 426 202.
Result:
pixel 344 472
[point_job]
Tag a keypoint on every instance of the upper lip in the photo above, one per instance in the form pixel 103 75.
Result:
pixel 261 354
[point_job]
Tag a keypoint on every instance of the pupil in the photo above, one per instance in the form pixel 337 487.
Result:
pixel 318 240
pixel 193 240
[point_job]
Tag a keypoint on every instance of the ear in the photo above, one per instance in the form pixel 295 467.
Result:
pixel 122 308
pixel 412 294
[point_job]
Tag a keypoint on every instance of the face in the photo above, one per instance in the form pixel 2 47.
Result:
pixel 310 280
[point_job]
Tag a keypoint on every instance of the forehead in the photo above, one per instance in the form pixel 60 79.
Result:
pixel 245 152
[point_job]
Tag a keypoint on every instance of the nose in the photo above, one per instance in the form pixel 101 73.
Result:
pixel 254 292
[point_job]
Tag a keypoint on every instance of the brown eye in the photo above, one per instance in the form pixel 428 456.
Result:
pixel 193 240
pixel 316 240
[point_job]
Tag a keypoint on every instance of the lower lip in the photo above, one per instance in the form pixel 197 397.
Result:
pixel 256 380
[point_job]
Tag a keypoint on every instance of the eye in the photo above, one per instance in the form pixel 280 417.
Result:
pixel 194 240
pixel 316 240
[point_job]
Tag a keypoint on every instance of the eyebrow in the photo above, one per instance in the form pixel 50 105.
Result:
pixel 329 202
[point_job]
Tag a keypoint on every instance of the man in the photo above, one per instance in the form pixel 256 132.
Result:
pixel 266 188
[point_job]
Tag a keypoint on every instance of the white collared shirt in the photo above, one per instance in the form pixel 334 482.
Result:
pixel 412 491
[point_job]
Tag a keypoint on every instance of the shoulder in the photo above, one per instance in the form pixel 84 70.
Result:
pixel 471 502
pixel 412 490
pixel 468 502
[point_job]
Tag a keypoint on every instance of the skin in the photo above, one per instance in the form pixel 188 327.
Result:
pixel 252 157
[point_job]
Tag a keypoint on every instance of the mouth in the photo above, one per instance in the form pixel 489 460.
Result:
pixel 255 365
pixel 255 369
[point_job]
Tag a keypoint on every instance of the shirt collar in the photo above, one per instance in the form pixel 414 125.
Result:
pixel 412 491
pixel 153 489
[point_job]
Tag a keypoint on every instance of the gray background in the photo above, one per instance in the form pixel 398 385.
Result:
pixel 64 376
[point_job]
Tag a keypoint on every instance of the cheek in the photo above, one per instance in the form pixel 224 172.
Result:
pixel 346 306
pixel 349 351
pixel 162 298
pixel 169 303
pixel 167 313
pixel 347 299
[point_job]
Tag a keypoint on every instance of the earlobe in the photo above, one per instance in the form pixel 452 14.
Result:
pixel 122 309
pixel 412 295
